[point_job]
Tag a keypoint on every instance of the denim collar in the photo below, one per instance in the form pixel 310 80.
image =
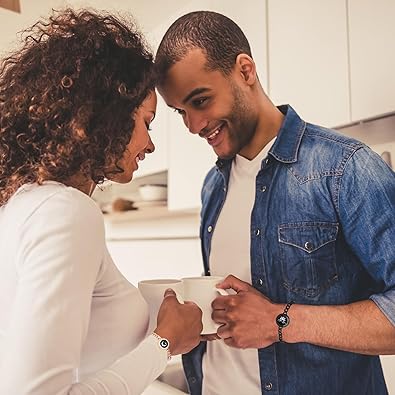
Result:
pixel 285 148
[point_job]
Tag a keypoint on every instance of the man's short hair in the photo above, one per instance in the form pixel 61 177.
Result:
pixel 216 35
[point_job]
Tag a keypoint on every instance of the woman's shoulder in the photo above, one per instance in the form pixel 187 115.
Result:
pixel 54 201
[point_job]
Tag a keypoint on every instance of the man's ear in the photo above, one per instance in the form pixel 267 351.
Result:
pixel 246 68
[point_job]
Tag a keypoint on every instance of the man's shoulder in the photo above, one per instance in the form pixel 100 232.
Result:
pixel 323 152
pixel 330 138
pixel 324 144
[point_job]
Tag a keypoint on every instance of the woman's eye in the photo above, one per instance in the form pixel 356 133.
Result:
pixel 148 126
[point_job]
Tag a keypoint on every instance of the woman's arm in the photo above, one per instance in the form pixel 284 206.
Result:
pixel 59 262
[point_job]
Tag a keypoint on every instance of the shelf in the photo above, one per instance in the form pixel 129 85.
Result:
pixel 147 213
pixel 111 190
pixel 374 131
pixel 152 223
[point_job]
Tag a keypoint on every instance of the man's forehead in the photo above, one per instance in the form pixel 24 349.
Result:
pixel 194 61
pixel 184 75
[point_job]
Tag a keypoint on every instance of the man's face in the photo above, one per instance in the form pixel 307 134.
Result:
pixel 215 106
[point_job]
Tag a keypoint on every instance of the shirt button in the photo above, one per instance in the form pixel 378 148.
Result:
pixel 263 188
pixel 267 162
pixel 268 386
pixel 260 281
pixel 209 229
pixel 224 189
pixel 257 232
pixel 309 246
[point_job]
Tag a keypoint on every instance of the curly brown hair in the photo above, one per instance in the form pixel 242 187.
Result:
pixel 67 98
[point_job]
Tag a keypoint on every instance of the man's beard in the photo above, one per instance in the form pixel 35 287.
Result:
pixel 241 125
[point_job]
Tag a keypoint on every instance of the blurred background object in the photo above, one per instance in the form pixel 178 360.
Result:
pixel 386 155
pixel 153 192
pixel 121 204
pixel 12 5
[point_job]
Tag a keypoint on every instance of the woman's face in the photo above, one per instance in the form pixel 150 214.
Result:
pixel 140 143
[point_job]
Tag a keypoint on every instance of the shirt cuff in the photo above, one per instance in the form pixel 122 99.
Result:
pixel 386 303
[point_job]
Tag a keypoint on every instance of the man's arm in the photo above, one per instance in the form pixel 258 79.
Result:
pixel 248 320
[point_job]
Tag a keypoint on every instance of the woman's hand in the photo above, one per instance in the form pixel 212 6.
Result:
pixel 180 323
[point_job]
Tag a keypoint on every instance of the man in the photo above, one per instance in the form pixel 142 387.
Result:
pixel 304 214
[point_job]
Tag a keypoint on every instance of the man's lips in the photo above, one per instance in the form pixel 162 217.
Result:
pixel 215 136
pixel 213 133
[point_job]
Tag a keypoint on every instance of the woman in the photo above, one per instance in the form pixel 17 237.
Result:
pixel 76 103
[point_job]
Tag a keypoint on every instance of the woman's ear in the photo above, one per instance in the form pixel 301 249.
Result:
pixel 246 68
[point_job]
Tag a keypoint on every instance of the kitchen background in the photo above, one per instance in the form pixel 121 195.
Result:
pixel 332 60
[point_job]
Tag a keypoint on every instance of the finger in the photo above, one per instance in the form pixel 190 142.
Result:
pixel 223 302
pixel 219 316
pixel 210 337
pixel 229 342
pixel 169 292
pixel 234 283
pixel 224 331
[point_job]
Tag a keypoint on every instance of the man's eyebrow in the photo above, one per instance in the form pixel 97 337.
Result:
pixel 195 92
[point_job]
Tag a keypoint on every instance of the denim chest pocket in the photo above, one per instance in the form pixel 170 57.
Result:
pixel 307 255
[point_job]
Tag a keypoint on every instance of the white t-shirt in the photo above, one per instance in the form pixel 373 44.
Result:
pixel 64 306
pixel 228 370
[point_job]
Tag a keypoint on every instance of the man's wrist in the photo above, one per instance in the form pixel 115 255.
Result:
pixel 283 320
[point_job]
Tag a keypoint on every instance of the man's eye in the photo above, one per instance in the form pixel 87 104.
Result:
pixel 179 111
pixel 199 102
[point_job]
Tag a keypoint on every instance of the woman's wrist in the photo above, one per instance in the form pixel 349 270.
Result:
pixel 163 343
pixel 166 334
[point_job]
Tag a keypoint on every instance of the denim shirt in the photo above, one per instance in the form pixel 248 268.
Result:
pixel 322 233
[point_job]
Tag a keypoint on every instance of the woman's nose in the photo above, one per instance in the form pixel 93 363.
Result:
pixel 150 148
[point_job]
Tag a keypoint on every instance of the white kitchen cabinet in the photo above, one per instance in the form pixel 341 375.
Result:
pixel 190 158
pixel 251 17
pixel 308 58
pixel 372 57
pixel 388 362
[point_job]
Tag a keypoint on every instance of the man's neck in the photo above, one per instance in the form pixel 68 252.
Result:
pixel 269 123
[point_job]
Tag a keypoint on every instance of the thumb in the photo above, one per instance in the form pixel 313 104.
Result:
pixel 169 292
pixel 234 283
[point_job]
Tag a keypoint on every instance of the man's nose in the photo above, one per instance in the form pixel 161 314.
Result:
pixel 194 123
pixel 150 148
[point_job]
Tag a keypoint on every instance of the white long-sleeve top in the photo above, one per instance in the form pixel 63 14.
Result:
pixel 70 323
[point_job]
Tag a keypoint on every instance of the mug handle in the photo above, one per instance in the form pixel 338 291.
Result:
pixel 222 292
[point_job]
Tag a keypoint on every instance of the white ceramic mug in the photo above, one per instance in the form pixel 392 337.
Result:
pixel 202 291
pixel 153 292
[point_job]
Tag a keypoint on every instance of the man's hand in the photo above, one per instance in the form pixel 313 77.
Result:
pixel 247 318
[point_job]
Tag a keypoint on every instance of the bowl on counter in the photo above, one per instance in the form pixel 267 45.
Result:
pixel 153 192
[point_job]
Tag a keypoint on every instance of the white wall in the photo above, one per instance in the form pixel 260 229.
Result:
pixel 149 259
